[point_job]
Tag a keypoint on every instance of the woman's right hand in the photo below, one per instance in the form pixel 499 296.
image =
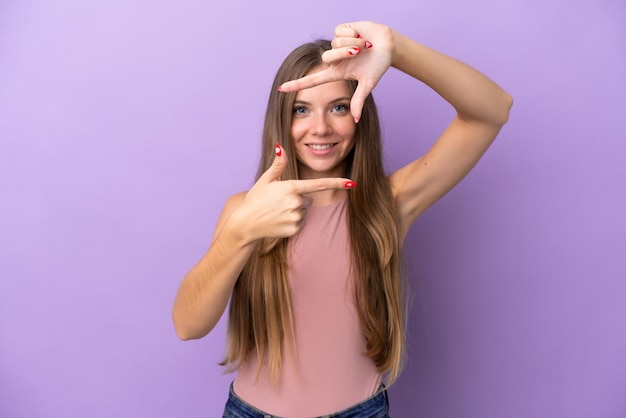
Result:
pixel 276 209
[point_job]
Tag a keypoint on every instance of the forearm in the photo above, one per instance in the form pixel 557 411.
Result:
pixel 474 96
pixel 204 293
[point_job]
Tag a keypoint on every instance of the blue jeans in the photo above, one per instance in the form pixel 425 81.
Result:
pixel 376 406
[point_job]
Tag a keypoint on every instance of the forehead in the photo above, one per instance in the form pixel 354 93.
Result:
pixel 324 93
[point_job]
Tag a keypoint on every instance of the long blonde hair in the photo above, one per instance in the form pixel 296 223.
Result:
pixel 260 313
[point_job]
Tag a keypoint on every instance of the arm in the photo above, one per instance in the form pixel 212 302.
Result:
pixel 482 107
pixel 271 209
pixel 204 292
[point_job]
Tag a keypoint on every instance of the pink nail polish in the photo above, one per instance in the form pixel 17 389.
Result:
pixel 368 44
pixel 279 151
pixel 280 88
pixel 349 184
pixel 354 50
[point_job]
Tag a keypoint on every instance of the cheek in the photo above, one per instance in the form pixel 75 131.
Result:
pixel 297 130
pixel 348 130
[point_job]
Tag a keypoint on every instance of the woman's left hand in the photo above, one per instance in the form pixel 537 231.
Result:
pixel 361 51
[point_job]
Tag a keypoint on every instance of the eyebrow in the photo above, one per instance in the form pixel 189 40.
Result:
pixel 339 99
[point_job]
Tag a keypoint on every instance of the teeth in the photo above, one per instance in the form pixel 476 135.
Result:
pixel 320 147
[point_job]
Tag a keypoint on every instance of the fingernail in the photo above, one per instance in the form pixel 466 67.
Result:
pixel 358 35
pixel 356 120
pixel 280 88
pixel 349 184
pixel 354 50
pixel 368 44
pixel 278 150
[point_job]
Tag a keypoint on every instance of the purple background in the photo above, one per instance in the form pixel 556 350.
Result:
pixel 124 126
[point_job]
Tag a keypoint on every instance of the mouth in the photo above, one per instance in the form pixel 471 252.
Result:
pixel 320 147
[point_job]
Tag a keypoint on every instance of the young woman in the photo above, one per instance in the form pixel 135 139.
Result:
pixel 309 256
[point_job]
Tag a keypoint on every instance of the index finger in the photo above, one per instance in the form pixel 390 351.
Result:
pixel 311 80
pixel 318 185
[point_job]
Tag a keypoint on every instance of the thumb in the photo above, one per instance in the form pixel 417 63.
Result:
pixel 363 89
pixel 278 166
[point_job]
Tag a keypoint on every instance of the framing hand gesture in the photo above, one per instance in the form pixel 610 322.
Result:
pixel 361 51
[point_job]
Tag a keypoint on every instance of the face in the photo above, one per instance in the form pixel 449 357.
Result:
pixel 323 129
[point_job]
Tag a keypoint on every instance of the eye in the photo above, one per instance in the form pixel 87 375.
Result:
pixel 300 110
pixel 340 108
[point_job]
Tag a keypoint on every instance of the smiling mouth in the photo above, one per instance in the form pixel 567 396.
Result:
pixel 320 147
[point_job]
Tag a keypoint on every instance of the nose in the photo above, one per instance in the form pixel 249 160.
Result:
pixel 321 125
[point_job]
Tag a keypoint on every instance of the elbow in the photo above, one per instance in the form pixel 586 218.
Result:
pixel 184 331
pixel 504 109
pixel 493 113
pixel 185 334
pixel 182 334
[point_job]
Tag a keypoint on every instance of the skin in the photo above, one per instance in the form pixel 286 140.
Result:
pixel 322 118
pixel 274 208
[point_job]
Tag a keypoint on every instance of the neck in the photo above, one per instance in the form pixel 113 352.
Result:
pixel 328 197
pixel 325 197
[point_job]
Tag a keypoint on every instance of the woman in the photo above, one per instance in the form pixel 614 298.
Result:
pixel 309 256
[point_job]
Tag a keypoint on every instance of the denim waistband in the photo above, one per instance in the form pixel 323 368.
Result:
pixel 376 406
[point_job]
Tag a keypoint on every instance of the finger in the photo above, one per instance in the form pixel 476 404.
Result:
pixel 333 55
pixel 276 169
pixel 346 29
pixel 363 89
pixel 318 185
pixel 310 80
pixel 347 42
